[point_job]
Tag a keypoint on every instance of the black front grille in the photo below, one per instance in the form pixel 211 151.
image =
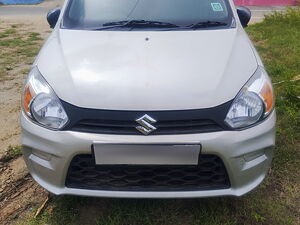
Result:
pixel 168 122
pixel 163 127
pixel 210 174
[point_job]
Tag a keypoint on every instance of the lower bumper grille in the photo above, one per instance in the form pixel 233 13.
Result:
pixel 210 174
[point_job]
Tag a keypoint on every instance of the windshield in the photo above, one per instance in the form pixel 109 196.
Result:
pixel 146 14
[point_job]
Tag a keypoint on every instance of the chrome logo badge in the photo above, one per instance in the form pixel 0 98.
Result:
pixel 146 124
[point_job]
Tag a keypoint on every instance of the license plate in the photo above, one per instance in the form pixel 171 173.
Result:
pixel 145 154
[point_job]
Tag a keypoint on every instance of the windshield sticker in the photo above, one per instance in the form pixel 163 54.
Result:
pixel 217 7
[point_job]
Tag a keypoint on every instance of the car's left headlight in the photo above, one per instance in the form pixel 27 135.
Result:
pixel 40 103
pixel 253 103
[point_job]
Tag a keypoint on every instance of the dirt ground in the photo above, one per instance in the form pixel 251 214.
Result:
pixel 18 192
pixel 10 89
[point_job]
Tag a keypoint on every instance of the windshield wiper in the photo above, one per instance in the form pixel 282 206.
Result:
pixel 136 23
pixel 204 24
pixel 159 24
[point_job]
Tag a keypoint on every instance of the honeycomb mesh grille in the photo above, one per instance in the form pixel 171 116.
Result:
pixel 210 174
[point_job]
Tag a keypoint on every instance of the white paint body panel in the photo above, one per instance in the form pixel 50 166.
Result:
pixel 231 146
pixel 174 70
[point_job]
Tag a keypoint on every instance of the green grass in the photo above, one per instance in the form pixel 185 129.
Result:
pixel 275 202
pixel 278 41
pixel 60 211
pixel 16 47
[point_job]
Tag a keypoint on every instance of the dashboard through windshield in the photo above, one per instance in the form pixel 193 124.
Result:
pixel 146 14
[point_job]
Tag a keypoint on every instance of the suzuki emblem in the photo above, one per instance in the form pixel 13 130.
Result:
pixel 146 124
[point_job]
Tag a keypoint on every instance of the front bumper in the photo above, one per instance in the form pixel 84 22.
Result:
pixel 247 156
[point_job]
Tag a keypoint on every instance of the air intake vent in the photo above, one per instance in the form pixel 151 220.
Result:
pixel 210 174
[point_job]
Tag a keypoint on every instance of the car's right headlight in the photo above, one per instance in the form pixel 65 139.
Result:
pixel 40 103
pixel 253 103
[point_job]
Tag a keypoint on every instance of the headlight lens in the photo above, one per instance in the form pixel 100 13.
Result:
pixel 41 104
pixel 254 102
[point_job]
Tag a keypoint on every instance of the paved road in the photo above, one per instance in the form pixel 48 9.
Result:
pixel 19 10
pixel 36 10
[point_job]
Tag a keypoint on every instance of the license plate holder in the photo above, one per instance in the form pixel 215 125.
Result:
pixel 146 154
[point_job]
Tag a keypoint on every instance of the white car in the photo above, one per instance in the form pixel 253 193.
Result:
pixel 148 99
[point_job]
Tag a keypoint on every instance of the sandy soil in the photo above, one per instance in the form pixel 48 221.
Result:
pixel 10 89
pixel 17 190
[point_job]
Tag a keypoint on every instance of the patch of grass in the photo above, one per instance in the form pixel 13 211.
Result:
pixel 277 40
pixel 16 25
pixel 16 47
pixel 8 32
pixel 11 153
pixel 33 36
pixel 60 211
pixel 275 202
pixel 281 53
pixel 79 210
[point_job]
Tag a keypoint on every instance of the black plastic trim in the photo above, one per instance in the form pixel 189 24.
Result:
pixel 209 174
pixel 216 115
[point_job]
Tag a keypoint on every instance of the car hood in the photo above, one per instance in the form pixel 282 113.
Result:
pixel 147 70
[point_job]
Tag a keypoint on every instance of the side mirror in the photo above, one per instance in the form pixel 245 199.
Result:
pixel 244 14
pixel 52 17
